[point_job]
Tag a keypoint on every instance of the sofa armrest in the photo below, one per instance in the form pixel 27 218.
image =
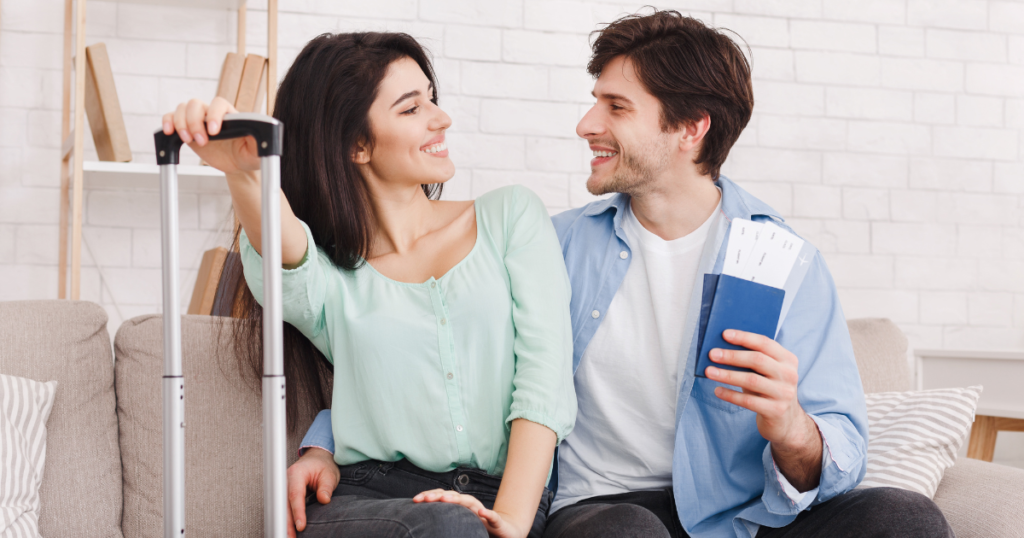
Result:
pixel 981 499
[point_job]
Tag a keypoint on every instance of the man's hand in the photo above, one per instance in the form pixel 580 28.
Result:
pixel 771 392
pixel 497 524
pixel 314 470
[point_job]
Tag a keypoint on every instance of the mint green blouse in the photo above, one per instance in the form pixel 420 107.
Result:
pixel 434 372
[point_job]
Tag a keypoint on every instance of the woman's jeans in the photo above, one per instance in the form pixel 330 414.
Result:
pixel 374 498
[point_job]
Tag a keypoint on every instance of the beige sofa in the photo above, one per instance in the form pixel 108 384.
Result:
pixel 104 457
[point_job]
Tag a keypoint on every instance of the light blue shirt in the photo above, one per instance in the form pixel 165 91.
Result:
pixel 725 481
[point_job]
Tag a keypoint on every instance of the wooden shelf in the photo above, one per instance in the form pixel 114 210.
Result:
pixel 142 176
pixel 212 4
pixel 76 175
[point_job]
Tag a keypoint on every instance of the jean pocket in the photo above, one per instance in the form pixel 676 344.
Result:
pixel 357 473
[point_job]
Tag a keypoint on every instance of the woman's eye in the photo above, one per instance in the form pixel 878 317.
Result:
pixel 412 110
pixel 616 107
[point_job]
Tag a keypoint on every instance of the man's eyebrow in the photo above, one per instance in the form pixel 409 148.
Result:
pixel 614 97
pixel 414 93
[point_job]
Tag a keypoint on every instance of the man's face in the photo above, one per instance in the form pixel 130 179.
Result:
pixel 624 131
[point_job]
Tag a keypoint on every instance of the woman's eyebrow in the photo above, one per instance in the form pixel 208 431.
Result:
pixel 414 93
pixel 406 95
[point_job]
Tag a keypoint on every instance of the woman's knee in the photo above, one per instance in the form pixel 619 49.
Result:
pixel 444 520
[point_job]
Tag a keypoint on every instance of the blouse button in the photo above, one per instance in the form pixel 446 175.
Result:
pixel 444 321
pixel 450 375
pixel 433 284
pixel 623 254
pixel 595 314
pixel 458 428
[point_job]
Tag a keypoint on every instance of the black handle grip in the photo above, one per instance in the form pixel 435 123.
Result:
pixel 268 132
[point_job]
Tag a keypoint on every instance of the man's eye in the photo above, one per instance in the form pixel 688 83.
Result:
pixel 616 107
pixel 412 110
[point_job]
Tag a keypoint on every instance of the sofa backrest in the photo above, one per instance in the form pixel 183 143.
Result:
pixel 67 341
pixel 881 351
pixel 223 430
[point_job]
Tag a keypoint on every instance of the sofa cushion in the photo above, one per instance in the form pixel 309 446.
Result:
pixel 914 436
pixel 982 499
pixel 881 352
pixel 67 342
pixel 223 430
pixel 25 405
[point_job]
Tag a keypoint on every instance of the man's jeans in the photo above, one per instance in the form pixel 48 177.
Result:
pixel 374 498
pixel 875 512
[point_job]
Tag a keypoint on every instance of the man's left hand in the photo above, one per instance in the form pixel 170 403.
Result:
pixel 771 392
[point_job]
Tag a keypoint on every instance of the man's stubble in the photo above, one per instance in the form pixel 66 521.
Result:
pixel 636 171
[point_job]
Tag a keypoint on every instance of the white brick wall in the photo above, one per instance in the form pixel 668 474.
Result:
pixel 887 131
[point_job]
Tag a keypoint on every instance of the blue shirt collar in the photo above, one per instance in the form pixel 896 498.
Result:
pixel 736 203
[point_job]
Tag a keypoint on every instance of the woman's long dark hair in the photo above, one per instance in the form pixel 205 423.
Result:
pixel 324 104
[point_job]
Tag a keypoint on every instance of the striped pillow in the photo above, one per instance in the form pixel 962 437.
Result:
pixel 24 407
pixel 914 436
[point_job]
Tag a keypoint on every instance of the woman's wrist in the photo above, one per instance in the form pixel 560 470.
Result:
pixel 243 176
pixel 521 522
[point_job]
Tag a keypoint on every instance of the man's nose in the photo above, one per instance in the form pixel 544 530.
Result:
pixel 590 125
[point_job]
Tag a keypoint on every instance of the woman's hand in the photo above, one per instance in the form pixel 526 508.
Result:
pixel 195 121
pixel 494 522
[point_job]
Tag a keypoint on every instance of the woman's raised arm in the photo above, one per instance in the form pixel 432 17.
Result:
pixel 195 121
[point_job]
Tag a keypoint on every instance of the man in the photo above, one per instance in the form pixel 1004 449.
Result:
pixel 656 450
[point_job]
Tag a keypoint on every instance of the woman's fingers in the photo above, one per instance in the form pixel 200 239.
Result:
pixel 219 107
pixel 168 123
pixel 448 496
pixel 195 119
pixel 180 125
pixel 428 496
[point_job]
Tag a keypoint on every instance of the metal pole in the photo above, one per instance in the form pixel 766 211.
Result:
pixel 275 497
pixel 173 380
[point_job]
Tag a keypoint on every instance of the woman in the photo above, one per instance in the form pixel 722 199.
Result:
pixel 446 322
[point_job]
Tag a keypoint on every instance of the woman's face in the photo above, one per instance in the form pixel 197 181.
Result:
pixel 408 129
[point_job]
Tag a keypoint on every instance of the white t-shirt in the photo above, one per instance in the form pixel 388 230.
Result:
pixel 628 380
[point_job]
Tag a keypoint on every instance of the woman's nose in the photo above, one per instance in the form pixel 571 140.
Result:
pixel 440 121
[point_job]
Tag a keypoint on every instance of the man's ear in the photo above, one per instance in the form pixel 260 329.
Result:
pixel 692 134
pixel 361 154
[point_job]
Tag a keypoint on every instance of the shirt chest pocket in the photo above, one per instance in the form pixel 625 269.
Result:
pixel 704 391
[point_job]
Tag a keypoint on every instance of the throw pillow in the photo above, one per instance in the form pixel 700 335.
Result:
pixel 24 407
pixel 915 436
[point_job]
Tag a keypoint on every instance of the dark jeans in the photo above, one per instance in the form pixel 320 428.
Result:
pixel 867 513
pixel 374 498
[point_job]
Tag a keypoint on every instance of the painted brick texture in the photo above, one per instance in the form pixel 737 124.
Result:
pixel 887 132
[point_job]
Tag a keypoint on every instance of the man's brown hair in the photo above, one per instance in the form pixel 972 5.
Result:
pixel 691 69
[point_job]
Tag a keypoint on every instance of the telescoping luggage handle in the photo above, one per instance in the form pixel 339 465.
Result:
pixel 268 134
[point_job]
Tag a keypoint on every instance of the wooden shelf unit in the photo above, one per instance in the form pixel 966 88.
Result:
pixel 74 171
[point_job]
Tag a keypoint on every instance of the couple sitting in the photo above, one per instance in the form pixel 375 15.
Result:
pixel 468 338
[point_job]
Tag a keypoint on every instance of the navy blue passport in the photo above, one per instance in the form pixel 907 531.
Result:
pixel 733 303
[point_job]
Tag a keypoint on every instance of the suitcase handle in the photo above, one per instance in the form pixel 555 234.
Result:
pixel 267 131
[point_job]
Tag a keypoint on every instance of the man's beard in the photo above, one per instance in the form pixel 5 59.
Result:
pixel 636 170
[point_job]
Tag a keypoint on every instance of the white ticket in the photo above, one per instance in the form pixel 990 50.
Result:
pixel 742 238
pixel 772 256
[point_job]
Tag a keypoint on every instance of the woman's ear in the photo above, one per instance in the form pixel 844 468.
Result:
pixel 361 155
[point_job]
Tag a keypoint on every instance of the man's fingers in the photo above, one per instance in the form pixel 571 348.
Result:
pixel 297 512
pixel 759 342
pixel 757 404
pixel 749 382
pixel 291 525
pixel 325 487
pixel 755 360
